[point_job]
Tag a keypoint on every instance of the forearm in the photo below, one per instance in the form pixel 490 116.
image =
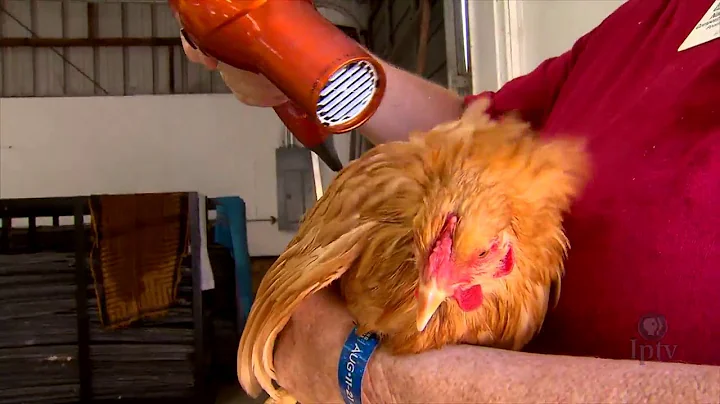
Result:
pixel 410 103
pixel 473 374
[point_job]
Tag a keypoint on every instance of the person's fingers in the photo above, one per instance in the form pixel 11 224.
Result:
pixel 259 101
pixel 192 53
pixel 210 63
pixel 251 88
pixel 196 56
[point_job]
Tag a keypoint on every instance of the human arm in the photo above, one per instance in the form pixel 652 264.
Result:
pixel 474 374
pixel 411 103
pixel 307 358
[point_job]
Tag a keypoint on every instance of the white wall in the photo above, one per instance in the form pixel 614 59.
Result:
pixel 91 145
pixel 552 26
pixel 511 37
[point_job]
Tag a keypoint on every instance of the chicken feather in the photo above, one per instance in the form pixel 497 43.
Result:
pixel 374 228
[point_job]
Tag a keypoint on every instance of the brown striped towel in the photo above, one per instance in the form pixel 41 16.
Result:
pixel 138 245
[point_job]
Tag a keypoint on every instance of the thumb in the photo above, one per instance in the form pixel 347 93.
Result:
pixel 196 56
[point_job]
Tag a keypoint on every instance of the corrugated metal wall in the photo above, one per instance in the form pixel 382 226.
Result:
pixel 395 30
pixel 75 48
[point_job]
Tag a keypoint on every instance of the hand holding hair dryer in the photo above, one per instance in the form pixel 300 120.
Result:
pixel 332 83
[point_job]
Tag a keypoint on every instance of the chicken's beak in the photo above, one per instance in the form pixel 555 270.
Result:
pixel 430 297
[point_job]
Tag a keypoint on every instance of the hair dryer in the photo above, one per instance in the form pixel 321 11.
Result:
pixel 333 85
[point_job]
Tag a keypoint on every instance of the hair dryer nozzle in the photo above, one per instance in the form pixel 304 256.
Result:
pixel 326 73
pixel 309 133
pixel 328 154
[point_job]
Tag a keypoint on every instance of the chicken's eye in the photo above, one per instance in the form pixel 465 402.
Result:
pixel 483 254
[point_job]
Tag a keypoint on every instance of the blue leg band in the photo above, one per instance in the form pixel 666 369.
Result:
pixel 353 359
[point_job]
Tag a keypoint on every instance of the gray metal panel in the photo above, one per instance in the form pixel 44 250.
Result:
pixel 295 185
pixel 18 78
pixel 459 71
pixel 76 26
pixel 109 62
pixel 132 70
pixel 139 61
pixel 49 80
pixel 395 29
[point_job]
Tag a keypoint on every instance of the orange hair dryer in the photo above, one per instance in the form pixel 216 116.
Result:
pixel 333 85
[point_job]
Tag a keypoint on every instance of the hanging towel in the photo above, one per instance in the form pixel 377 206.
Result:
pixel 138 246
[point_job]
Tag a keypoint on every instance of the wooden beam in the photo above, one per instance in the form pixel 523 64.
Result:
pixel 69 42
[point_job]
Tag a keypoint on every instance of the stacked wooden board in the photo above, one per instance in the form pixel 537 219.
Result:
pixel 39 344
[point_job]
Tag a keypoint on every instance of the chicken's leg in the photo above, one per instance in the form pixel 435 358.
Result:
pixel 283 398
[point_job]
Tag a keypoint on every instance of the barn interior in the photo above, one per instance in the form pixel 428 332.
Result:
pixel 141 203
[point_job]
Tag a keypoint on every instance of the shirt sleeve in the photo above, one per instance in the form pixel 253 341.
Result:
pixel 533 95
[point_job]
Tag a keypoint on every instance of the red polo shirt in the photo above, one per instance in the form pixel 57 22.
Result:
pixel 643 274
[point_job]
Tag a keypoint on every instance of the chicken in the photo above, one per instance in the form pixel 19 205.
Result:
pixel 454 236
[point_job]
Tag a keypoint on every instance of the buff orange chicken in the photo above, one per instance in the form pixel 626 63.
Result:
pixel 452 237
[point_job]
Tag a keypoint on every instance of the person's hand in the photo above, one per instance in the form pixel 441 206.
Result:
pixel 250 88
pixel 196 56
pixel 308 350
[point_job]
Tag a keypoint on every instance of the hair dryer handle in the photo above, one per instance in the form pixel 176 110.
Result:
pixel 309 133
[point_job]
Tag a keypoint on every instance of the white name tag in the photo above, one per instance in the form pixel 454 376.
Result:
pixel 706 30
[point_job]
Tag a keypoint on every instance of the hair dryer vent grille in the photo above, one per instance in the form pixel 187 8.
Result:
pixel 347 93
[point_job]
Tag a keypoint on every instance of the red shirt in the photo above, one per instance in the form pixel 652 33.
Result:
pixel 643 274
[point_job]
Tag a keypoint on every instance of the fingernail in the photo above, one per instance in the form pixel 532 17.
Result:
pixel 187 38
